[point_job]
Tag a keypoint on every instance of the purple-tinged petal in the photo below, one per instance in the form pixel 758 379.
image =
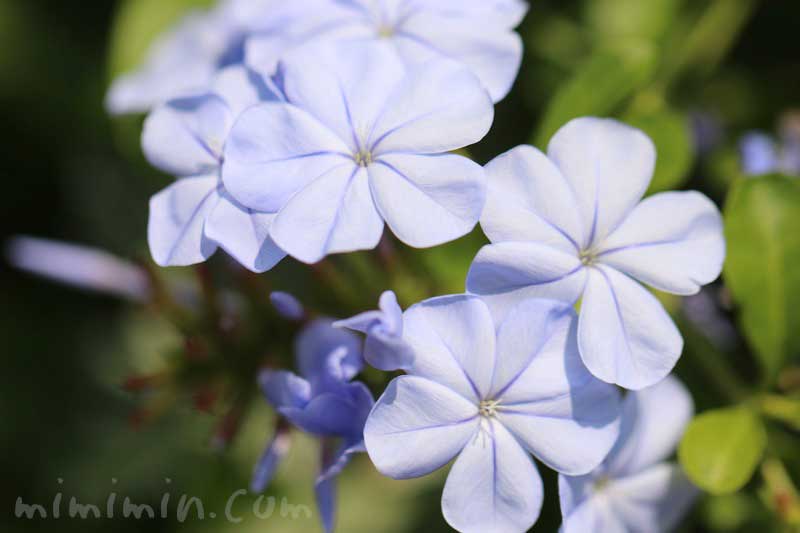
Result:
pixel 428 200
pixel 333 214
pixel 384 348
pixel 453 340
pixel 185 137
pixel 625 335
pixel 345 85
pixel 653 422
pixel 529 200
pixel 271 459
pixel 315 344
pixel 244 234
pixel 79 266
pixel 274 150
pixel 672 241
pixel 492 53
pixel 335 414
pixel 417 426
pixel 546 397
pixel 493 485
pixel 284 389
pixel 440 106
pixel 178 214
pixel 508 273
pixel 608 165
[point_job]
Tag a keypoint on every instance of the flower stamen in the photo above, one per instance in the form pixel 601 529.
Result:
pixel 363 158
pixel 488 408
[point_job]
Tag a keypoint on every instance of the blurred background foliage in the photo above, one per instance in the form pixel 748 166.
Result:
pixel 695 75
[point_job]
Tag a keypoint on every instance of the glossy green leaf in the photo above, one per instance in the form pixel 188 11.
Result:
pixel 671 133
pixel 722 448
pixel 598 87
pixel 762 226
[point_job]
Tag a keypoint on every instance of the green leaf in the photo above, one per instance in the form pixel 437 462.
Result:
pixel 612 20
pixel 722 448
pixel 671 133
pixel 138 23
pixel 598 87
pixel 762 218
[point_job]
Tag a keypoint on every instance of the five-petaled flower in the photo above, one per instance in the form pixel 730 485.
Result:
pixel 567 225
pixel 195 215
pixel 490 396
pixel 635 489
pixel 322 401
pixel 476 33
pixel 359 141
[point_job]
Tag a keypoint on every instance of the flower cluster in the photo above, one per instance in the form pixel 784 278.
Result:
pixel 305 129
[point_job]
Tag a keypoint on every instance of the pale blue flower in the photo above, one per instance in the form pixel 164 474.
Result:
pixel 570 224
pixel 385 348
pixel 186 59
pixel 195 215
pixel 635 489
pixel 476 33
pixel 80 266
pixel 323 401
pixel 359 141
pixel 487 395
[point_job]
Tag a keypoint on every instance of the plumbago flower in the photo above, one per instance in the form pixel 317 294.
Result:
pixel 476 33
pixel 187 58
pixel 322 401
pixel 490 394
pixel 384 348
pixel 359 141
pixel 635 490
pixel 195 215
pixel 569 225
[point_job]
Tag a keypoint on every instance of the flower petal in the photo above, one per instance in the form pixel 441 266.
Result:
pixel 334 414
pixel 492 52
pixel 284 389
pixel 506 13
pixel 673 241
pixel 453 340
pixel 177 220
pixel 315 344
pixel 244 234
pixel 428 200
pixel 440 106
pixel 270 460
pixel 333 214
pixel 547 398
pixel 345 86
pixel 529 200
pixel 241 88
pixel 507 273
pixel 493 485
pixel 185 137
pixel 583 513
pixel 273 151
pixel 608 165
pixel 625 335
pixel 653 422
pixel 417 426
pixel 653 500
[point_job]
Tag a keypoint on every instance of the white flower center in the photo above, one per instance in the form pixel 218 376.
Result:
pixel 488 408
pixel 385 32
pixel 363 158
